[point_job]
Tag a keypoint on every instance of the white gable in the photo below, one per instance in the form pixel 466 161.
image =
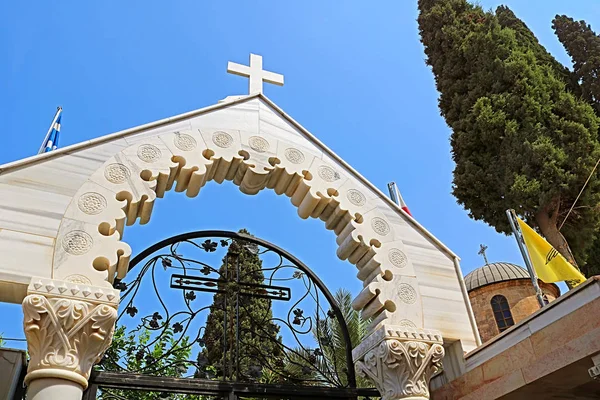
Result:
pixel 36 195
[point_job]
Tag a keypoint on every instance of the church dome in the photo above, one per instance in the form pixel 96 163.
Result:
pixel 494 272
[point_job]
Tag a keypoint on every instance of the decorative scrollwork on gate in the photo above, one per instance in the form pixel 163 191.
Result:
pixel 228 306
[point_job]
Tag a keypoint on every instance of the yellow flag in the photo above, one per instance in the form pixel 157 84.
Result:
pixel 549 264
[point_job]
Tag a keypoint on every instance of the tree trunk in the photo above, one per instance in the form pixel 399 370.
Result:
pixel 547 220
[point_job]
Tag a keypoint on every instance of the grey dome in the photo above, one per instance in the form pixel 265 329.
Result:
pixel 494 272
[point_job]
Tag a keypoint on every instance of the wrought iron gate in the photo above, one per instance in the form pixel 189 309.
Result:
pixel 223 315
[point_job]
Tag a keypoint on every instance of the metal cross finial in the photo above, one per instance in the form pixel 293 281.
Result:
pixel 482 249
pixel 255 73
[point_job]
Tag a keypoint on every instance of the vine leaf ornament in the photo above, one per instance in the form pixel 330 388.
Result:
pixel 157 316
pixel 401 365
pixel 67 335
pixel 190 296
pixel 206 270
pixel 177 327
pixel 280 344
pixel 131 310
pixel 209 246
pixel 299 318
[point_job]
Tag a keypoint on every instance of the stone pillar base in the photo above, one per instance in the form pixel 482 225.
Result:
pixel 400 361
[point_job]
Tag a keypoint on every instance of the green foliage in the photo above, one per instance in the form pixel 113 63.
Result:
pixel 526 38
pixel 258 341
pixel 330 336
pixel 520 137
pixel 335 353
pixel 583 45
pixel 165 356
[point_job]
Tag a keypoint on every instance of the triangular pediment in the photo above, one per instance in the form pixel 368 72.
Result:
pixel 36 192
pixel 64 170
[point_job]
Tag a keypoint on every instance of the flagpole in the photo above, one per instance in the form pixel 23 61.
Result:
pixel 519 237
pixel 43 146
pixel 394 193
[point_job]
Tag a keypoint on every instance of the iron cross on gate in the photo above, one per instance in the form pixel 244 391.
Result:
pixel 225 283
pixel 202 284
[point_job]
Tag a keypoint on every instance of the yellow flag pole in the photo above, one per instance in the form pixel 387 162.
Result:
pixel 521 243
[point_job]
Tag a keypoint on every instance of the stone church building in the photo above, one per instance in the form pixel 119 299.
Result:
pixel 502 295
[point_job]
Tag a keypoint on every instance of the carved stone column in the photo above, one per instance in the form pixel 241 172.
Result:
pixel 68 327
pixel 400 361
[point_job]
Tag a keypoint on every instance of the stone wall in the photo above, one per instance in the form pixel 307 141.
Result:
pixel 546 356
pixel 521 298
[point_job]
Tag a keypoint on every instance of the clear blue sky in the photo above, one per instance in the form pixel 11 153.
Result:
pixel 351 72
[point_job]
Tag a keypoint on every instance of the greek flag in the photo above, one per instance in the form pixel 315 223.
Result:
pixel 51 140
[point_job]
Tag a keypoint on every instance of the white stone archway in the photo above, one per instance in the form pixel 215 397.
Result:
pixel 254 144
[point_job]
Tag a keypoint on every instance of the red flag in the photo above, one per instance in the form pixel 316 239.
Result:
pixel 397 197
pixel 403 204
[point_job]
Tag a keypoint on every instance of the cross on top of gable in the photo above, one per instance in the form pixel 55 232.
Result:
pixel 255 73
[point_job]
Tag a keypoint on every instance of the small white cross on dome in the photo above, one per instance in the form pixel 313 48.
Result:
pixel 256 74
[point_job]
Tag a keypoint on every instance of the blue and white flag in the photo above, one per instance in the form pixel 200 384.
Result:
pixel 51 140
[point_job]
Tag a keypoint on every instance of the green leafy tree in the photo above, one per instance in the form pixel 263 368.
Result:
pixel 259 345
pixel 139 351
pixel 526 38
pixel 330 361
pixel 583 45
pixel 520 136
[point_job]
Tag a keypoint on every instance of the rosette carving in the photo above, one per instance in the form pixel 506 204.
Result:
pixel 65 336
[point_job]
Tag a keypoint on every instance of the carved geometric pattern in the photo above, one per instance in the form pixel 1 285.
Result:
pixel 148 153
pixel 407 293
pixel 355 197
pixel 407 323
pixel 117 173
pixel 91 203
pixel 184 142
pixel 78 279
pixel 66 335
pixel 294 156
pixel 258 144
pixel 77 242
pixel 222 139
pixel 328 174
pixel 397 258
pixel 380 226
pixel 74 286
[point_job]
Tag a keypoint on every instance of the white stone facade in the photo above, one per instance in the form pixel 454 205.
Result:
pixel 62 216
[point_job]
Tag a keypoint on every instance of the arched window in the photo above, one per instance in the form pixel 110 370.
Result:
pixel 502 313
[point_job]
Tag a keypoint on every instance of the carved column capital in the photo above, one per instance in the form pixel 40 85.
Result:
pixel 400 361
pixel 68 327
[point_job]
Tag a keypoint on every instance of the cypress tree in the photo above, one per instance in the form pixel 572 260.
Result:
pixel 525 37
pixel 258 343
pixel 583 45
pixel 520 138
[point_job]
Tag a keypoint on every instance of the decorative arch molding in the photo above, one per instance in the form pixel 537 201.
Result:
pixel 410 279
pixel 89 249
